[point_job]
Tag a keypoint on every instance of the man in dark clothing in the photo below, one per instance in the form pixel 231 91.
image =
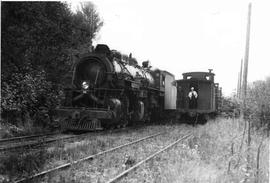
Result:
pixel 192 95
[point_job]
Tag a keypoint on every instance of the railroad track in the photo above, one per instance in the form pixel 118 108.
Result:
pixel 24 137
pixel 91 157
pixel 23 142
pixel 133 168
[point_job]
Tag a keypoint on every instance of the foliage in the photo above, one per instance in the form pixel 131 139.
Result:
pixel 35 33
pixel 230 107
pixel 258 93
pixel 24 164
pixel 89 23
pixel 44 34
pixel 39 41
pixel 25 93
pixel 258 102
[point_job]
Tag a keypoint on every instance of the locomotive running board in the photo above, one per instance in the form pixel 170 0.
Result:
pixel 94 113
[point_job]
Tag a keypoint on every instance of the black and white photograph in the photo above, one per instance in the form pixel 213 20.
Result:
pixel 133 91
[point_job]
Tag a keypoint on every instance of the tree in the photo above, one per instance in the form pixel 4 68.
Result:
pixel 258 102
pixel 39 40
pixel 88 23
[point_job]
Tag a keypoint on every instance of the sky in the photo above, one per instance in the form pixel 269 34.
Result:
pixel 183 36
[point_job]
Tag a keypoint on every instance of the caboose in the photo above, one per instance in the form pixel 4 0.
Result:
pixel 206 99
pixel 108 89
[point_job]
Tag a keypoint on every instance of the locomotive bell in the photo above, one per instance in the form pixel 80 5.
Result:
pixel 146 64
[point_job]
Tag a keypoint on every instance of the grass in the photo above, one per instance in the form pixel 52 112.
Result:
pixel 212 155
pixel 8 130
pixel 109 165
pixel 112 163
pixel 208 156
pixel 63 152
pixel 23 164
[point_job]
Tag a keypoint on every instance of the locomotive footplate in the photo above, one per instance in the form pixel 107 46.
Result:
pixel 83 119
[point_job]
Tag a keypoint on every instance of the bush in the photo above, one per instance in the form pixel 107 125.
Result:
pixel 258 103
pixel 15 165
pixel 39 41
pixel 25 94
pixel 230 107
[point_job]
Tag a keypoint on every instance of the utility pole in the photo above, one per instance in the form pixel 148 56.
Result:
pixel 245 74
pixel 244 89
pixel 239 85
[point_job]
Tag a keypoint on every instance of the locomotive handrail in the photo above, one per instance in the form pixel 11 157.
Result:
pixel 124 68
pixel 83 108
pixel 95 89
pixel 154 89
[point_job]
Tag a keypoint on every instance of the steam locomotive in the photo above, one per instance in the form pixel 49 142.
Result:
pixel 110 89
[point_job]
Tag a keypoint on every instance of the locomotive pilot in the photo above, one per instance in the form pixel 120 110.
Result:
pixel 192 95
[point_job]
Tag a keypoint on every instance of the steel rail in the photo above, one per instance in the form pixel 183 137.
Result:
pixel 37 142
pixel 91 157
pixel 26 137
pixel 126 172
pixel 43 142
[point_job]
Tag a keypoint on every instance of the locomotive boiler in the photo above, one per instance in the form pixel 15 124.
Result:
pixel 207 99
pixel 111 89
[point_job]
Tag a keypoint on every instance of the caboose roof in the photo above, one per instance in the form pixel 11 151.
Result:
pixel 199 75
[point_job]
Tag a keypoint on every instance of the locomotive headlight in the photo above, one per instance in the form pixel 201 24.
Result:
pixel 85 85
